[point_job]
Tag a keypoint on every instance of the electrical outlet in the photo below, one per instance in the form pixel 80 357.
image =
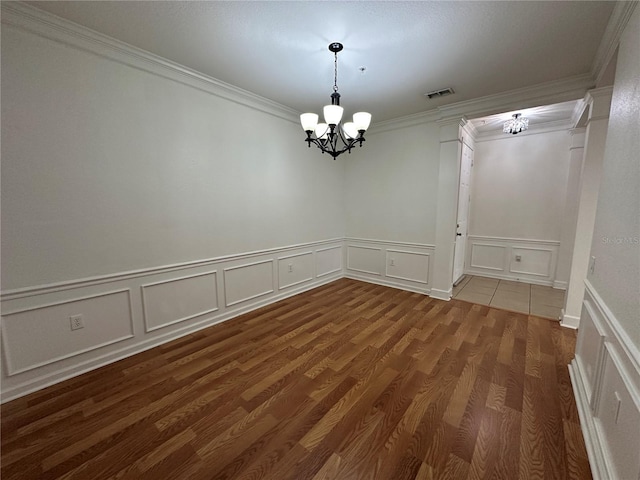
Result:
pixel 76 321
pixel 290 267
pixel 518 258
pixel 392 262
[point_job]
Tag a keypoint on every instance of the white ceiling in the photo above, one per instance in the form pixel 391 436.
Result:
pixel 279 49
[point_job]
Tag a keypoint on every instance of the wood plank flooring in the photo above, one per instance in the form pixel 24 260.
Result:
pixel 347 381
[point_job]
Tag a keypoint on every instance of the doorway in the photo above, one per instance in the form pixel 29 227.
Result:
pixel 466 163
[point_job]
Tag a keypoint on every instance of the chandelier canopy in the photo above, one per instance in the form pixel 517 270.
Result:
pixel 331 136
pixel 516 124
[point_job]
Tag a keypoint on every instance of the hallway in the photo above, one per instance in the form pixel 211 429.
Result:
pixel 536 300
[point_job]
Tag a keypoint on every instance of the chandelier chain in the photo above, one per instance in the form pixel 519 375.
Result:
pixel 335 71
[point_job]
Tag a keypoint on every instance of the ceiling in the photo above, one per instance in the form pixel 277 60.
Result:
pixel 278 50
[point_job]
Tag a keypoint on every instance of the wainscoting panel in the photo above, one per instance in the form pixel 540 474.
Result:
pixel 590 352
pixel 42 335
pixel 177 300
pixel 128 312
pixel 295 269
pixel 605 375
pixel 488 257
pixel 532 261
pixel 402 265
pixel 364 259
pixel 246 282
pixel 412 266
pixel 328 260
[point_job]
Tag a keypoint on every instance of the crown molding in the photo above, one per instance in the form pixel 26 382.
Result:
pixel 404 122
pixel 611 39
pixel 557 91
pixel 52 27
pixel 545 127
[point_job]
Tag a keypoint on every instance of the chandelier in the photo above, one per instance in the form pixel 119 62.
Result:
pixel 332 137
pixel 516 124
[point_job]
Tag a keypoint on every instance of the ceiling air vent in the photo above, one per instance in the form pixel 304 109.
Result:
pixel 439 93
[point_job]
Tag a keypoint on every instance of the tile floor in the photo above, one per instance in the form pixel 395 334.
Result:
pixel 516 296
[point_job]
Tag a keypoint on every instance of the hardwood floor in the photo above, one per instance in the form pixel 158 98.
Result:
pixel 347 381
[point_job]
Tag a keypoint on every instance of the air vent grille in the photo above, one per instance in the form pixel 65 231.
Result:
pixel 439 93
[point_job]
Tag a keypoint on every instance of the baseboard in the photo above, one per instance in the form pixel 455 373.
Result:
pixel 41 382
pixel 605 376
pixel 587 424
pixel 560 284
pixel 569 321
pixel 129 313
pixel 441 294
pixel 386 283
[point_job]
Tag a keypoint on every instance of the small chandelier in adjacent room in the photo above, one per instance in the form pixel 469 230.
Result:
pixel 332 137
pixel 516 124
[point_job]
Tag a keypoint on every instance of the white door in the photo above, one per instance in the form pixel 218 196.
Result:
pixel 466 163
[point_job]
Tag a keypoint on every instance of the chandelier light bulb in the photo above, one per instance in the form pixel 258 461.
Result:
pixel 309 121
pixel 350 130
pixel 332 114
pixel 361 120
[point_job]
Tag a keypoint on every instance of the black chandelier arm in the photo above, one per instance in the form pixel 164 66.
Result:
pixel 330 144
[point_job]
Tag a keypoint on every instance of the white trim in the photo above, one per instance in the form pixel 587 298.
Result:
pixel 295 255
pixel 548 274
pixel 99 279
pixel 224 281
pixel 49 379
pixel 630 350
pixel 615 350
pixel 7 352
pixel 69 33
pixel 618 20
pixel 183 319
pixel 560 284
pixel 587 424
pixel 441 294
pixel 569 321
pixel 518 240
pixel 473 265
pixel 387 283
pixel 391 242
pixel 359 269
pixel 387 274
pixel 535 129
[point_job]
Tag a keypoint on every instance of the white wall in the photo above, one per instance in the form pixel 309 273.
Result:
pixel 518 195
pixel 391 185
pixel 616 236
pixel 146 198
pixel 606 370
pixel 108 168
pixel 518 186
pixel 391 188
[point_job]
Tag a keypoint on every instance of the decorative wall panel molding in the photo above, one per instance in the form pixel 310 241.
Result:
pixel 41 335
pixel 518 259
pixel 176 300
pixel 129 312
pixel 328 260
pixel 403 265
pixel 295 269
pixel 605 375
pixel 364 259
pixel 411 266
pixel 246 282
